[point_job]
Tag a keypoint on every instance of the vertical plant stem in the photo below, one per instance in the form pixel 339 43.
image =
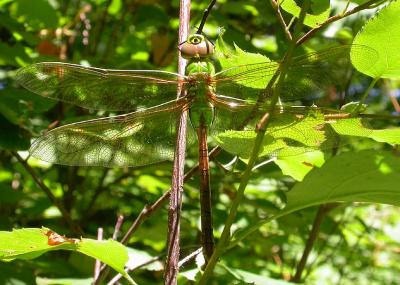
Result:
pixel 205 15
pixel 321 213
pixel 172 268
pixel 97 264
pixel 365 95
pixel 260 129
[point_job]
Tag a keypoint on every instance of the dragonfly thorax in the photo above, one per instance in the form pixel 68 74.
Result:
pixel 201 110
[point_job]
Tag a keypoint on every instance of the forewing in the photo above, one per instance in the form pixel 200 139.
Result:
pixel 134 139
pixel 308 76
pixel 100 89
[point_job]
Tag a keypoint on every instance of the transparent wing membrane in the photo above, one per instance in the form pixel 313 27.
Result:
pixel 293 130
pixel 308 75
pixel 134 139
pixel 148 135
pixel 100 89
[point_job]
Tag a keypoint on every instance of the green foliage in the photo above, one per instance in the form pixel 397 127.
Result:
pixel 31 242
pixel 365 176
pixel 382 33
pixel 319 11
pixel 316 159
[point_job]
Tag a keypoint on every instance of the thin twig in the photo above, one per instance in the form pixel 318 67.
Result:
pixel 117 227
pixel 97 264
pixel 275 5
pixel 189 257
pixel 64 213
pixel 322 211
pixel 174 211
pixel 117 277
pixel 105 270
pixel 309 34
pixel 323 246
pixel 205 15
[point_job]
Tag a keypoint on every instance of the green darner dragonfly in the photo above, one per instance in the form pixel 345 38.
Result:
pixel 230 99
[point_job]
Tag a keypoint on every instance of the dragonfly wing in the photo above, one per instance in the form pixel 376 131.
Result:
pixel 293 130
pixel 308 75
pixel 133 139
pixel 100 89
pixel 246 82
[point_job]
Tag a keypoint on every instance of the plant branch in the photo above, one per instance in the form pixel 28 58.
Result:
pixel 205 15
pixel 189 257
pixel 365 6
pixel 321 213
pixel 275 5
pixel 65 214
pixel 97 264
pixel 175 197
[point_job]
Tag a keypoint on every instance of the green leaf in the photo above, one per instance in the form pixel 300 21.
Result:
pixel 114 7
pixel 391 136
pixel 287 135
pixel 12 137
pixel 366 176
pixel 4 2
pixel 30 243
pixel 297 142
pixel 382 33
pixel 40 15
pixel 355 127
pixel 256 279
pixel 298 166
pixel 10 53
pixel 319 11
pixel 229 58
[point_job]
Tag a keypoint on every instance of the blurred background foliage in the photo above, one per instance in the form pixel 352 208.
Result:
pixel 358 244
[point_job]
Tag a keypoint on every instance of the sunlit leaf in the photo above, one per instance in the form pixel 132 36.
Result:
pixel 30 243
pixel 319 11
pixel 366 176
pixel 382 33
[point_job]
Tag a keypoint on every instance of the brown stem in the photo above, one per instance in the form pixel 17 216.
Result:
pixel 65 214
pixel 322 211
pixel 117 227
pixel 174 211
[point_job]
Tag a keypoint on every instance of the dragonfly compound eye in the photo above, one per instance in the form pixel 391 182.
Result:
pixel 196 46
pixel 195 39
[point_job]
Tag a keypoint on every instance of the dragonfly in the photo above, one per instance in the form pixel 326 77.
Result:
pixel 217 101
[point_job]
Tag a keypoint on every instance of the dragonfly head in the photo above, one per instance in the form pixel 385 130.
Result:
pixel 196 46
